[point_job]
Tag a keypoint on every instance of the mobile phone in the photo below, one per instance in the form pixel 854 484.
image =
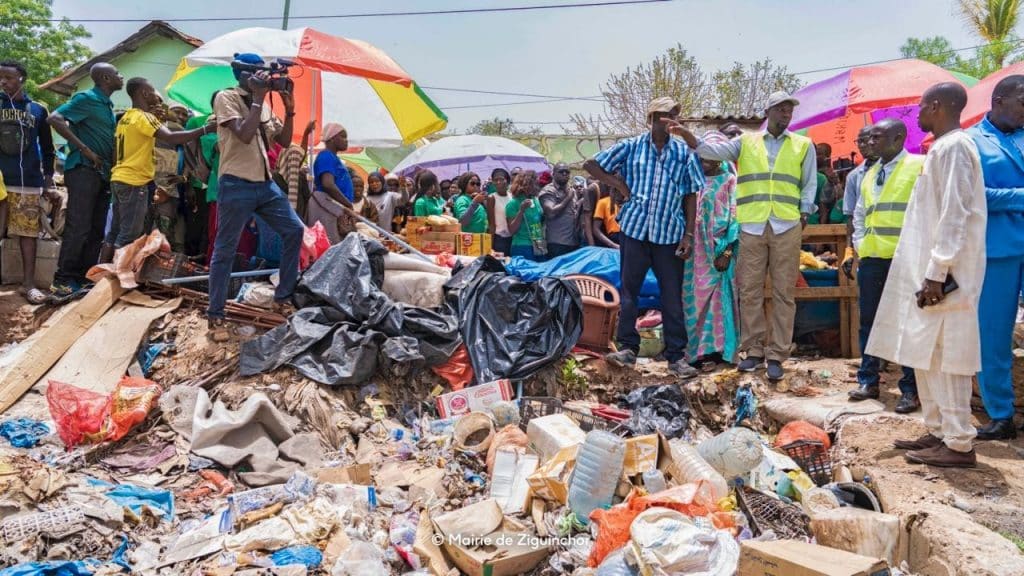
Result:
pixel 948 286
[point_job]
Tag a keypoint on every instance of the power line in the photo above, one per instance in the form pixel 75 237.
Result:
pixel 520 103
pixel 599 97
pixel 499 9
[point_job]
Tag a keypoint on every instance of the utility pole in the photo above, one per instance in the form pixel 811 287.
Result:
pixel 287 9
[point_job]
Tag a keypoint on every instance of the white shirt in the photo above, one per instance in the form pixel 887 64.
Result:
pixel 860 211
pixel 500 219
pixel 943 232
pixel 730 152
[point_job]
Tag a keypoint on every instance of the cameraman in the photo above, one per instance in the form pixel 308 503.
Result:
pixel 245 131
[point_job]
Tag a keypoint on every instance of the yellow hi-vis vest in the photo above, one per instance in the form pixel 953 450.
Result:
pixel 762 192
pixel 883 215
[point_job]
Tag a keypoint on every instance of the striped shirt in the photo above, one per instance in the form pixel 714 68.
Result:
pixel 657 184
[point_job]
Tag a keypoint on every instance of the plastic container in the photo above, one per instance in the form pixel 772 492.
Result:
pixel 694 469
pixel 733 452
pixel 596 475
pixel 654 481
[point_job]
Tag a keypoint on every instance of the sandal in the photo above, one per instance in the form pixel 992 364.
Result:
pixel 35 296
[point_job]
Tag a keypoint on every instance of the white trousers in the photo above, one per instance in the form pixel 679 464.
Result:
pixel 946 404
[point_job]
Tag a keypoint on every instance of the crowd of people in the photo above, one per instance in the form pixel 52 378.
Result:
pixel 938 251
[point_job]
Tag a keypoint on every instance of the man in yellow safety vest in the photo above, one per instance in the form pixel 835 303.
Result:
pixel 776 187
pixel 877 221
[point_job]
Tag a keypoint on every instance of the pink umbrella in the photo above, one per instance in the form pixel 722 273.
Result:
pixel 979 98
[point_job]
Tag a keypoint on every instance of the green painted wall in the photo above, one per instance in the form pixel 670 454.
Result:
pixel 156 60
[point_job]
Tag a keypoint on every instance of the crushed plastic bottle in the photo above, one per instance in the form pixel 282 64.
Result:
pixel 299 487
pixel 654 481
pixel 361 559
pixel 596 475
pixel 693 468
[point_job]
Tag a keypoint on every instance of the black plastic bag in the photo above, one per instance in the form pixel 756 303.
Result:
pixel 662 409
pixel 346 327
pixel 514 328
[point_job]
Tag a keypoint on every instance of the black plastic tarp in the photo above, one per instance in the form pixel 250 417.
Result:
pixel 346 328
pixel 514 328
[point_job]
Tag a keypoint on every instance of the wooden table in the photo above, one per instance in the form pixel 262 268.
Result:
pixel 845 293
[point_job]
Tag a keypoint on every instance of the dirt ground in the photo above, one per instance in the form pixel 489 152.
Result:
pixel 18 318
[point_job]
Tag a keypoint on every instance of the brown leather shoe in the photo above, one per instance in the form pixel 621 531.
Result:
pixel 942 456
pixel 922 443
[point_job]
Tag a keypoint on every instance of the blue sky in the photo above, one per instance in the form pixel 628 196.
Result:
pixel 566 52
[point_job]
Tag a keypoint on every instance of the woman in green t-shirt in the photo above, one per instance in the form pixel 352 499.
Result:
pixel 428 201
pixel 525 218
pixel 471 205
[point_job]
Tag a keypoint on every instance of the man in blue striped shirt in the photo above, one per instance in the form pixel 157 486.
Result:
pixel 658 176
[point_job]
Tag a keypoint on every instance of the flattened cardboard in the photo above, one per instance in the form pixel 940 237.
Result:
pixel 355 474
pixel 551 480
pixel 795 558
pixel 429 552
pixel 484 520
pixel 641 455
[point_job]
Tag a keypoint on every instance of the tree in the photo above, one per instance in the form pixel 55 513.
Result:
pixel 740 90
pixel 500 127
pixel 45 48
pixel 938 50
pixel 993 21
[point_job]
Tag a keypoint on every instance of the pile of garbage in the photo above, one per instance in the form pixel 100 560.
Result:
pixel 314 448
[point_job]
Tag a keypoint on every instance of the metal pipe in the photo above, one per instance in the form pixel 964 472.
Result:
pixel 390 236
pixel 191 279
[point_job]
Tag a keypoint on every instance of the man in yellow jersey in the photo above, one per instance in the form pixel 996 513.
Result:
pixel 877 223
pixel 135 163
pixel 776 186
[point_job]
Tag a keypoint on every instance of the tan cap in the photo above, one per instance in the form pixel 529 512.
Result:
pixel 779 97
pixel 663 104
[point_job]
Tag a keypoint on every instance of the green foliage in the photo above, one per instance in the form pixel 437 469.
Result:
pixel 937 49
pixel 740 90
pixel 500 127
pixel 993 21
pixel 45 48
pixel 572 377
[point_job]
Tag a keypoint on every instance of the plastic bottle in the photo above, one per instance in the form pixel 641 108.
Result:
pixel 693 468
pixel 596 475
pixel 654 481
pixel 733 452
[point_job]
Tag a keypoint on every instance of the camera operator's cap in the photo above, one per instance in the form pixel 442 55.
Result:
pixel 779 97
pixel 247 58
pixel 331 129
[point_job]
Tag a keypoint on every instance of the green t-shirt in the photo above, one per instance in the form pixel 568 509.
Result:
pixel 478 225
pixel 91 115
pixel 532 227
pixel 427 206
pixel 208 146
pixel 835 215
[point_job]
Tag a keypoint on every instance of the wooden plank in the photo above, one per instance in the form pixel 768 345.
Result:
pixel 844 323
pixel 826 293
pixel 824 232
pixel 46 351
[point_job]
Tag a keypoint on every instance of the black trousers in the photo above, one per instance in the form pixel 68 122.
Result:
pixel 88 201
pixel 637 257
pixel 197 218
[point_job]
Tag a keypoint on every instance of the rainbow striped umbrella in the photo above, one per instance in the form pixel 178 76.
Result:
pixel 336 80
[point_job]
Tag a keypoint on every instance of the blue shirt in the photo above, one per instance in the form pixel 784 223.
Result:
pixel 91 116
pixel 327 162
pixel 657 184
pixel 26 144
pixel 1002 166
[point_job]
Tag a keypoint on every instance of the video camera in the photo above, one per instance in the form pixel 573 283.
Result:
pixel 277 70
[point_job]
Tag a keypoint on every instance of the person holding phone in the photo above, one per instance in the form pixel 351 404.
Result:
pixel 525 218
pixel 927 320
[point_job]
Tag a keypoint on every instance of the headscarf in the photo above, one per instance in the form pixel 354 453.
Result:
pixel 331 129
pixel 716 137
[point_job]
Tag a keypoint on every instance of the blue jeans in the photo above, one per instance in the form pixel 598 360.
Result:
pixel 997 312
pixel 237 201
pixel 524 251
pixel 637 257
pixel 131 205
pixel 871 277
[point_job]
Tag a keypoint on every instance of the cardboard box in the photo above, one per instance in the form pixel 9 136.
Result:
pixel 795 558
pixel 438 242
pixel 641 454
pixel 47 252
pixel 481 541
pixel 551 481
pixel 473 398
pixel 474 244
pixel 552 433
pixel 355 474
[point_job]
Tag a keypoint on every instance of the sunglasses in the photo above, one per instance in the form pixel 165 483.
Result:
pixel 474 182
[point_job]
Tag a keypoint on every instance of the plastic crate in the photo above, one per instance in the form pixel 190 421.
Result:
pixel 765 512
pixel 813 458
pixel 157 269
pixel 531 407
pixel 600 311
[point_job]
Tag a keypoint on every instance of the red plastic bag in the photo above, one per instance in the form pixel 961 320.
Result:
pixel 314 243
pixel 131 402
pixel 80 415
pixel 85 417
pixel 457 370
pixel 801 430
pixel 612 531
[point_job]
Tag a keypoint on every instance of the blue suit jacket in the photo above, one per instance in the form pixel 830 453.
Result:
pixel 1002 165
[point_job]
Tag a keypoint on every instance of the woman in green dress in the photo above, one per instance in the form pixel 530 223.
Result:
pixel 525 218
pixel 471 206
